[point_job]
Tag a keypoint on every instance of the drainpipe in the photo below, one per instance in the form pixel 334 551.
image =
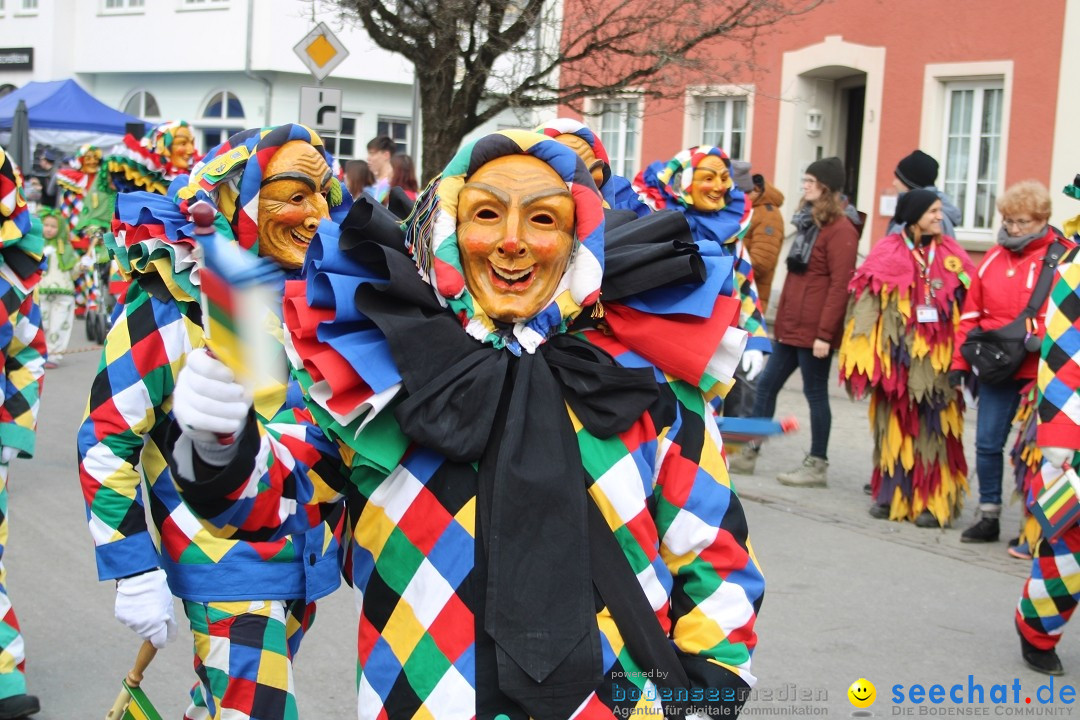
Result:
pixel 268 95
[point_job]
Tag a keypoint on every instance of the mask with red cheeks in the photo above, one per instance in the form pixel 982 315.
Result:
pixel 292 201
pixel 515 234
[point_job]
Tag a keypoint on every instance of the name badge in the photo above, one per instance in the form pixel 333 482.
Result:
pixel 926 314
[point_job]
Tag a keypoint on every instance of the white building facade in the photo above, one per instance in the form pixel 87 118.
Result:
pixel 222 65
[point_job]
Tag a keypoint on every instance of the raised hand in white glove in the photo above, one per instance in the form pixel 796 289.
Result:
pixel 49 251
pixel 1057 456
pixel 7 454
pixel 87 261
pixel 753 361
pixel 208 403
pixel 144 603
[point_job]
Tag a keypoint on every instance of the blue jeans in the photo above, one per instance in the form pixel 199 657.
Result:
pixel 815 376
pixel 997 406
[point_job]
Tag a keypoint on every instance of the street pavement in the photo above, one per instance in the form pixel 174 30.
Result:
pixel 847 596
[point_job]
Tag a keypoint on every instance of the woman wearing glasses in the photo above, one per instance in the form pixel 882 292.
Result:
pixel 999 292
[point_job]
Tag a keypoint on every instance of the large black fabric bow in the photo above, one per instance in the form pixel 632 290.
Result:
pixel 474 403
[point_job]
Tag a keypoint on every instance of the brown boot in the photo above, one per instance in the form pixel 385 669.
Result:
pixel 810 474
pixel 743 462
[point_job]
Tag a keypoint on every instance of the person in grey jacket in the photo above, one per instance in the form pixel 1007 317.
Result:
pixel 919 171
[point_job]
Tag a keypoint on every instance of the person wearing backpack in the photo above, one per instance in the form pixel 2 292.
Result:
pixel 1000 291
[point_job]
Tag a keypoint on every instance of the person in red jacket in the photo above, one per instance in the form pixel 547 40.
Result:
pixel 999 292
pixel 810 317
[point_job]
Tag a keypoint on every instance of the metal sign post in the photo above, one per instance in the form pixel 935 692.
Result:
pixel 320 108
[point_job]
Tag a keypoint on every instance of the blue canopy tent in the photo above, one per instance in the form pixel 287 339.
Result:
pixel 62 114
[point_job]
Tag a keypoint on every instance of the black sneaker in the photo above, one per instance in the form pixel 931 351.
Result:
pixel 1044 661
pixel 986 529
pixel 926 519
pixel 881 512
pixel 867 490
pixel 18 706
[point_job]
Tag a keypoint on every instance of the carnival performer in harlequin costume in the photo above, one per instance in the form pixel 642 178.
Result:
pixel 22 343
pixel 491 453
pixel 616 190
pixel 152 162
pixel 56 290
pixel 698 183
pixel 248 603
pixel 88 206
pixel 897 345
pixel 1052 591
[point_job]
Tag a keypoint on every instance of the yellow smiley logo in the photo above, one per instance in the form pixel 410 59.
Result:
pixel 862 693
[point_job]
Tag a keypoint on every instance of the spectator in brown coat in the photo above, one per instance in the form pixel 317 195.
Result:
pixel 765 236
pixel 810 317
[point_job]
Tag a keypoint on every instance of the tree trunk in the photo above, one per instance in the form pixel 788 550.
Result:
pixel 442 133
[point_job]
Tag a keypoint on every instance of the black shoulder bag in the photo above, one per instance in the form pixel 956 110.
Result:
pixel 995 355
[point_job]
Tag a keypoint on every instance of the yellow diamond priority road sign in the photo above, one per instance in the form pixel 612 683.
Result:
pixel 321 51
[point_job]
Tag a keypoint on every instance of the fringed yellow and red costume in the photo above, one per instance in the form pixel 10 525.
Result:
pixel 898 343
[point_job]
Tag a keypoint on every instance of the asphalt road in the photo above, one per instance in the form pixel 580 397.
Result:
pixel 847 596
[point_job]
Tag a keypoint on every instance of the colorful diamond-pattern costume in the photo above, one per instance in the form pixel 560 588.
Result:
pixel 915 417
pixel 418 517
pixel 129 413
pixel 22 343
pixel 1052 591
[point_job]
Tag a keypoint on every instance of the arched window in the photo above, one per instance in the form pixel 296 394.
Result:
pixel 222 116
pixel 142 104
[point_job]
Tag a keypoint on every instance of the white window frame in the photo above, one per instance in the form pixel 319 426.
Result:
pixel 694 115
pixel 407 122
pixel 979 91
pixel 595 108
pixel 142 105
pixel 938 80
pixel 355 137
pixel 127 7
pixel 230 125
pixel 24 9
pixel 202 5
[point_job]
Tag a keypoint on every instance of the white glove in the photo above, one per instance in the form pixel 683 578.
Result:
pixel 753 362
pixel 49 251
pixel 87 261
pixel 1057 456
pixel 144 603
pixel 7 454
pixel 208 402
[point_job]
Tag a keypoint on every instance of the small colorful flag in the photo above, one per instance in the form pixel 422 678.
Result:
pixel 132 703
pixel 746 429
pixel 1057 508
pixel 241 306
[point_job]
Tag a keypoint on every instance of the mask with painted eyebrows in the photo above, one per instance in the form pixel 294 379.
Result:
pixel 515 232
pixel 292 201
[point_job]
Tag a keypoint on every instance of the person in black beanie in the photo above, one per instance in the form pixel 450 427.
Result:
pixel 919 171
pixel 915 280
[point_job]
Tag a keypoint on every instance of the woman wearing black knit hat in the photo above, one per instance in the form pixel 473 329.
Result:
pixel 898 342
pixel 809 318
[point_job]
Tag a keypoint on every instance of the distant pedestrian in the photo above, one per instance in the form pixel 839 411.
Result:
pixel 919 171
pixel 57 286
pixel 358 177
pixel 898 341
pixel 379 151
pixel 810 318
pixel 766 235
pixel 403 174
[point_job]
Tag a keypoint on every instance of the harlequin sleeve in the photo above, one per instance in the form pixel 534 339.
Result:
pixel 285 477
pixel 143 352
pixel 750 317
pixel 1059 369
pixel 24 371
pixel 704 542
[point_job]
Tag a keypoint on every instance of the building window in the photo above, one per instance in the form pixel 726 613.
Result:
pixel 203 4
pixel 972 142
pixel 28 6
pixel 222 116
pixel 619 133
pixel 398 130
pixel 123 5
pixel 142 104
pixel 342 145
pixel 723 125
